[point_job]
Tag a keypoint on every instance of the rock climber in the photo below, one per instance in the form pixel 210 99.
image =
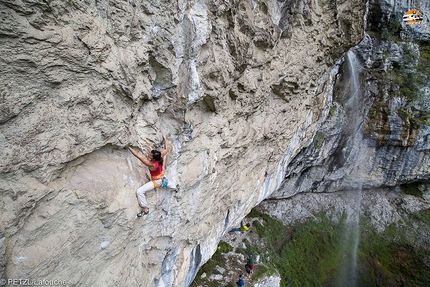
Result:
pixel 155 164
pixel 240 282
pixel 243 227
pixel 249 267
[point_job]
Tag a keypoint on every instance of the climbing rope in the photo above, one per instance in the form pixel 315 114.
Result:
pixel 157 229
pixel 155 238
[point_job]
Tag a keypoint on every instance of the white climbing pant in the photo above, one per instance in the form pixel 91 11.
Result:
pixel 140 192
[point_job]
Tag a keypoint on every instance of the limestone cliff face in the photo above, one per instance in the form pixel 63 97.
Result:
pixel 390 11
pixel 376 134
pixel 238 87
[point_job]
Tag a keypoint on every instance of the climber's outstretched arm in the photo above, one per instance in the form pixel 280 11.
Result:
pixel 145 161
pixel 166 149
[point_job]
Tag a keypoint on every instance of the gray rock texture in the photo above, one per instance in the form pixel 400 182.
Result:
pixel 238 87
pixel 369 140
pixel 381 207
pixel 393 10
pixel 271 281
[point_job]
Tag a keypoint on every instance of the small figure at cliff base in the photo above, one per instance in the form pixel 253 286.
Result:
pixel 243 227
pixel 240 282
pixel 154 162
pixel 249 267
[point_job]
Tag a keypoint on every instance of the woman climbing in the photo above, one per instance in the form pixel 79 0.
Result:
pixel 155 165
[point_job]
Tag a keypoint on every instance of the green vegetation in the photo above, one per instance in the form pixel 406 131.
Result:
pixel 424 61
pixel 391 30
pixel 412 189
pixel 385 27
pixel 332 111
pixel 405 75
pixel 424 216
pixel 224 247
pixel 217 259
pixel 405 80
pixel 272 229
pixel 318 140
pixel 391 258
pixel 311 253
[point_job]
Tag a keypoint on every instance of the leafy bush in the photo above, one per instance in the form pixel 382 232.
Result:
pixel 224 247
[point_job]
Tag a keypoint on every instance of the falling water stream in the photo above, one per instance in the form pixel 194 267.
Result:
pixel 348 269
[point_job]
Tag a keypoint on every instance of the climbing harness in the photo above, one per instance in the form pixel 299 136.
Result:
pixel 164 183
pixel 157 177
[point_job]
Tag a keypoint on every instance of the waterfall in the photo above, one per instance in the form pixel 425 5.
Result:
pixel 348 271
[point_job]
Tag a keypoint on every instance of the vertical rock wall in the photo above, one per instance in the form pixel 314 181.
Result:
pixel 238 87
pixel 394 146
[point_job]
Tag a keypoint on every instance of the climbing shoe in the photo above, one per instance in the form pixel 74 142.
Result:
pixel 142 213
